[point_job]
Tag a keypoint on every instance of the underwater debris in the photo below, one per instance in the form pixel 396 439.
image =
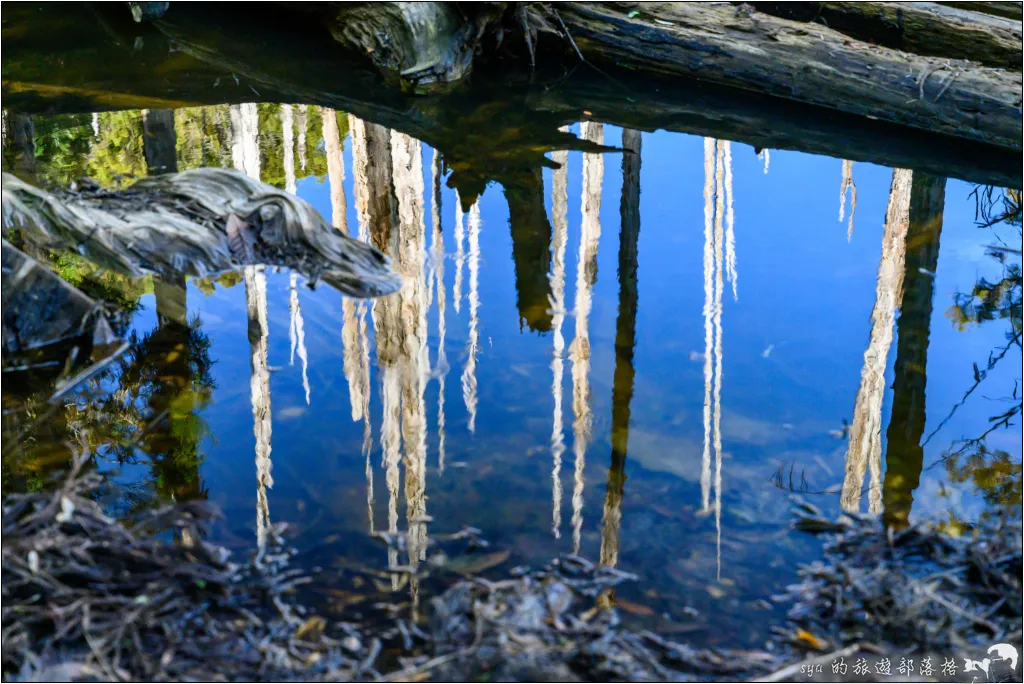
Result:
pixel 86 597
pixel 918 587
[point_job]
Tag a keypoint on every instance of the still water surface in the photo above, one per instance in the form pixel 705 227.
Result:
pixel 634 358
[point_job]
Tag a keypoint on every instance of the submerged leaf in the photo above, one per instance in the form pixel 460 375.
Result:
pixel 474 564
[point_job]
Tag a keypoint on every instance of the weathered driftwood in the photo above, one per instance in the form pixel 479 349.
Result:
pixel 422 43
pixel 923 28
pixel 198 223
pixel 744 48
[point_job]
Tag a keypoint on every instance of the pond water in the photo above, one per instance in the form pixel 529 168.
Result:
pixel 637 357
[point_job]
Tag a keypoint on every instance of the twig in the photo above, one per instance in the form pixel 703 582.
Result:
pixel 789 672
pixel 959 611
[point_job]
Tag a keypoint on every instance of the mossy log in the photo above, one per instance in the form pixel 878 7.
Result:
pixel 743 48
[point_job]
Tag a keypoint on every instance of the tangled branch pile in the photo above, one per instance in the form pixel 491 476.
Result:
pixel 558 624
pixel 84 597
pixel 87 598
pixel 918 587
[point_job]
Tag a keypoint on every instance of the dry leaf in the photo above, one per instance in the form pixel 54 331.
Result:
pixel 808 638
pixel 311 628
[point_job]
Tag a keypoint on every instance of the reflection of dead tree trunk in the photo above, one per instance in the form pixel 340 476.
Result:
pixel 372 183
pixel 709 339
pixel 531 238
pixel 437 257
pixel 355 345
pixel 288 147
pixel 625 342
pixel 865 450
pixel 351 352
pixel 19 143
pixel 720 266
pixel 473 344
pixel 300 124
pixel 717 195
pixel 460 255
pixel 904 454
pixel 848 183
pixel 246 158
pixel 407 158
pixel 559 215
pixel 579 353
pixel 159 142
pixel 256 306
pixel 371 161
pixel 159 148
pixel 730 233
pixel 296 328
pixel 171 293
pixel 335 168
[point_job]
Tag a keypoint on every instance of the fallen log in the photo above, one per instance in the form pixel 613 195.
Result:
pixel 744 48
pixel 923 28
pixel 499 127
pixel 1007 10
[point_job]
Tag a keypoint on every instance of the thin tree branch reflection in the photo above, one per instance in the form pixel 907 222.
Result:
pixel 460 255
pixel 300 123
pixel 437 257
pixel 848 183
pixel 559 210
pixel 730 234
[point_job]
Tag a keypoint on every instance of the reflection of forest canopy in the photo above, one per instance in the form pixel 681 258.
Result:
pixel 145 402
pixel 67 148
pixel 108 146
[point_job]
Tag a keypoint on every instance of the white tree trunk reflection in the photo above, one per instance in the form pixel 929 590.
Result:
pixel 865 450
pixel 560 219
pixel 579 353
